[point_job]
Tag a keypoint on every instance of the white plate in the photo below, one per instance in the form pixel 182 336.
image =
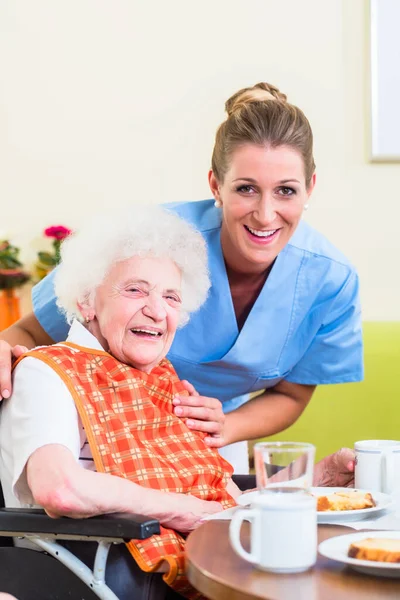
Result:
pixel 336 548
pixel 382 501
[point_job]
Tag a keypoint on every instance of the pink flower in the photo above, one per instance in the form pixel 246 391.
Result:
pixel 59 232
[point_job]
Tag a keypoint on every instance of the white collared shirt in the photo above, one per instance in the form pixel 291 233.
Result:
pixel 41 411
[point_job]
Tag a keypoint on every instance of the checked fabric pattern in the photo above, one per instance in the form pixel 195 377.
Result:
pixel 133 433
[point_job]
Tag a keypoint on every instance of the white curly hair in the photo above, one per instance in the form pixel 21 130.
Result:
pixel 88 255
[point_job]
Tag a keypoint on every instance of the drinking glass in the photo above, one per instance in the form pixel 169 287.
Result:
pixel 284 464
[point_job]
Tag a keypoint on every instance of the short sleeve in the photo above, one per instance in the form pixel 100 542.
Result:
pixel 335 355
pixel 46 310
pixel 40 411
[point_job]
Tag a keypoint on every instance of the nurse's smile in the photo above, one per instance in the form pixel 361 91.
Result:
pixel 262 237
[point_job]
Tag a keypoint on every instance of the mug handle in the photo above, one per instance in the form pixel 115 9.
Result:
pixel 234 532
pixel 388 474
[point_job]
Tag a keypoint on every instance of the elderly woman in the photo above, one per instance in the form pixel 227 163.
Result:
pixel 106 394
pixel 284 304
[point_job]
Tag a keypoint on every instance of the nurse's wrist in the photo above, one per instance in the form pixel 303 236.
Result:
pixel 231 429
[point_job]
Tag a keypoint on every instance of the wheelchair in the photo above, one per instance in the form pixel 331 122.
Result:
pixel 56 573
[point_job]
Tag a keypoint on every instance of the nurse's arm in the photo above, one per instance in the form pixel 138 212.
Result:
pixel 272 411
pixel 14 341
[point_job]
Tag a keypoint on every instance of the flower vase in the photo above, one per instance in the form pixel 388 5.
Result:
pixel 10 310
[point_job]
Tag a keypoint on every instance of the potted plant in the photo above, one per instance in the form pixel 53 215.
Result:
pixel 46 261
pixel 12 276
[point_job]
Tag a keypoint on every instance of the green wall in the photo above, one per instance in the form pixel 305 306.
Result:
pixel 339 415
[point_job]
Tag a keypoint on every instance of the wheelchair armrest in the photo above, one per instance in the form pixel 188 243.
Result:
pixel 32 521
pixel 245 482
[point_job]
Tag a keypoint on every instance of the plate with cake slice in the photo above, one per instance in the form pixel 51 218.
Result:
pixel 370 552
pixel 348 504
pixel 339 503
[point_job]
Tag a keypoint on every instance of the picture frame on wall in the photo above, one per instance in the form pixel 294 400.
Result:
pixel 385 80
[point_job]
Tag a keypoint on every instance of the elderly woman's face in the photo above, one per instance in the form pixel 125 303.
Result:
pixel 137 310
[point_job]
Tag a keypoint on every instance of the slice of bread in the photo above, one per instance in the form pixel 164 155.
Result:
pixel 376 549
pixel 351 500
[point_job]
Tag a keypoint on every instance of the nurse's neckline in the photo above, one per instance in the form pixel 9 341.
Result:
pixel 245 289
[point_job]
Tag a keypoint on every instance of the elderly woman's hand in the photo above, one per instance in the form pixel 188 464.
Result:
pixel 7 355
pixel 336 469
pixel 189 513
pixel 202 414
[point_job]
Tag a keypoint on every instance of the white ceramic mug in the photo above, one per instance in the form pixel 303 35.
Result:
pixel 377 465
pixel 283 531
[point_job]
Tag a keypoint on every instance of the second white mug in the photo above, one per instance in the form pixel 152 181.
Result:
pixel 377 465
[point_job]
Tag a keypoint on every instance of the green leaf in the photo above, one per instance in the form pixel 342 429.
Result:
pixel 47 259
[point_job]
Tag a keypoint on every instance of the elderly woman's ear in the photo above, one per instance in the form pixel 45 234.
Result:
pixel 86 310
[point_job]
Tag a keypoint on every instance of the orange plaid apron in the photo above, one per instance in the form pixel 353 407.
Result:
pixel 133 433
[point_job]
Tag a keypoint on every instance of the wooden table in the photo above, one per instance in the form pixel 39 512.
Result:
pixel 220 574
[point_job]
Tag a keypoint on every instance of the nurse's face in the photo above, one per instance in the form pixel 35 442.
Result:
pixel 263 196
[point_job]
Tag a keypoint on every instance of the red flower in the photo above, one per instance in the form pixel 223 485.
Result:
pixel 59 232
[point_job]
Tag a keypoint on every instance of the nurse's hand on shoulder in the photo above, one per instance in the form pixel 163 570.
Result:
pixel 7 355
pixel 201 414
pixel 336 470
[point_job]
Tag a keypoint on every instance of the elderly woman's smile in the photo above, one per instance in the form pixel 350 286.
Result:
pixel 136 310
pixel 146 332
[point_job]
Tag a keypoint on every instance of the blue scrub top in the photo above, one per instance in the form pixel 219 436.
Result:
pixel 305 326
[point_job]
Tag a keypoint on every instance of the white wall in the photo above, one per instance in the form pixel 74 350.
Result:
pixel 104 103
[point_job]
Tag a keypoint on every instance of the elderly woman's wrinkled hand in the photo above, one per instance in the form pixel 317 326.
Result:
pixel 336 470
pixel 7 355
pixel 202 414
pixel 190 512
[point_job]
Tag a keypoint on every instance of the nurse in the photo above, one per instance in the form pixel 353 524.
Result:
pixel 283 313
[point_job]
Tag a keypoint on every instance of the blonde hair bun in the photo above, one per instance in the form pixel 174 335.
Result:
pixel 261 92
pixel 260 115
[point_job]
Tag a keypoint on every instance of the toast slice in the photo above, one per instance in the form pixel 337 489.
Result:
pixel 351 500
pixel 376 549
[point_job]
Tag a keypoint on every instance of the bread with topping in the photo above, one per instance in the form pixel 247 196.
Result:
pixel 351 500
pixel 376 549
